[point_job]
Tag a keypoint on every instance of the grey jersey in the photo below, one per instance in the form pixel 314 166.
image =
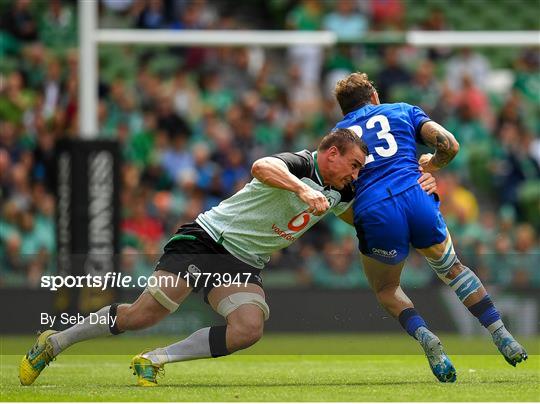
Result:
pixel 259 219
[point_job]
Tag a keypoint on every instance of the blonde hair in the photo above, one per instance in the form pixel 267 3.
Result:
pixel 353 91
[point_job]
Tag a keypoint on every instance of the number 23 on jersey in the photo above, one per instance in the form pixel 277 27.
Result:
pixel 384 134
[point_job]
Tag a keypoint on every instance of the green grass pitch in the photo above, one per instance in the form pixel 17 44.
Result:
pixel 297 367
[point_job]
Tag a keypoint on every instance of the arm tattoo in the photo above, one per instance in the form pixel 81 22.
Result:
pixel 439 138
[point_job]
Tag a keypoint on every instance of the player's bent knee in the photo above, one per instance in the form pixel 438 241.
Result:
pixel 455 270
pixel 388 298
pixel 232 302
pixel 386 293
pixel 245 313
pixel 444 264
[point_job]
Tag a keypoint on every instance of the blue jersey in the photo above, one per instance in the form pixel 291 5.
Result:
pixel 390 132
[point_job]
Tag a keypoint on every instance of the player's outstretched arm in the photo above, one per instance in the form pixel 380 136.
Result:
pixel 446 145
pixel 275 173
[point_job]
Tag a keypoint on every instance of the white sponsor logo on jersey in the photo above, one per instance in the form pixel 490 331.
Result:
pixel 192 269
pixel 384 253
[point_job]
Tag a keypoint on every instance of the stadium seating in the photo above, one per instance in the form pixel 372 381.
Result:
pixel 136 80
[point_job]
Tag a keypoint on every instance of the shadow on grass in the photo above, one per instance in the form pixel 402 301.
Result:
pixel 351 384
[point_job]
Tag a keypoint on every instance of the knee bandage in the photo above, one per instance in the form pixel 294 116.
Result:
pixel 162 298
pixel 466 283
pixel 442 265
pixel 230 303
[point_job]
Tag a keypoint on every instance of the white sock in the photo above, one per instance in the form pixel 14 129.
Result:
pixel 80 332
pixel 196 346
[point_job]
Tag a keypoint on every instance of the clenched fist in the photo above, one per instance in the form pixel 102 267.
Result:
pixel 316 201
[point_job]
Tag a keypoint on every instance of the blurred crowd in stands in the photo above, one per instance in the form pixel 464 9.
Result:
pixel 192 120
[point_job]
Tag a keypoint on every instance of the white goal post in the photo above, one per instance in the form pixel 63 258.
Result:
pixel 90 37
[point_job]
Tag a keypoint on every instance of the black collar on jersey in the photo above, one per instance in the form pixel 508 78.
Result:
pixel 356 107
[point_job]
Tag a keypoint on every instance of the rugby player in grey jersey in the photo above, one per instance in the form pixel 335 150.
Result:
pixel 223 252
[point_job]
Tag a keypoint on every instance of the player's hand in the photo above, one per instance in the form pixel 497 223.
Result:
pixel 427 182
pixel 316 201
pixel 425 163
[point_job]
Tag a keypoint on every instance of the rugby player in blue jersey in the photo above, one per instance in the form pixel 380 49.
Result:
pixel 391 212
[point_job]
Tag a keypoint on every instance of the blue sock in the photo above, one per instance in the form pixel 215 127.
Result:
pixel 411 321
pixel 486 313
